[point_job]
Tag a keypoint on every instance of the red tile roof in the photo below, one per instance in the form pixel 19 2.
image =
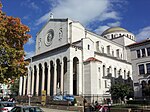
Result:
pixel 92 59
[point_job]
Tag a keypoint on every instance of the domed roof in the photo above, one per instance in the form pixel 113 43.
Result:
pixel 113 29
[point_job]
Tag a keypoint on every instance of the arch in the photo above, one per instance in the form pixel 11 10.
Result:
pixel 35 77
pixel 124 74
pixel 46 76
pixel 104 70
pixel 119 72
pixel 115 72
pixel 58 69
pixel 51 78
pixel 40 79
pixel 65 74
pixel 128 74
pixel 75 74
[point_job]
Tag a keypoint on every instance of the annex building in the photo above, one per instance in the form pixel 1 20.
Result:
pixel 140 59
pixel 72 60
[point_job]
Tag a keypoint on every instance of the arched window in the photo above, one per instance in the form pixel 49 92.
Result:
pixel 102 49
pixel 104 71
pixel 88 47
pixel 124 74
pixel 115 72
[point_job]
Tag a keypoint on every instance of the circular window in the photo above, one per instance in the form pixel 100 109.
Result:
pixel 49 37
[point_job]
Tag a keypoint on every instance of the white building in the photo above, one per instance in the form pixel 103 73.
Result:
pixel 140 59
pixel 70 59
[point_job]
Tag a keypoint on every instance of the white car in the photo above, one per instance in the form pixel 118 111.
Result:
pixel 26 109
pixel 6 106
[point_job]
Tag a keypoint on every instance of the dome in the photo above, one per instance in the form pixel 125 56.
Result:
pixel 113 29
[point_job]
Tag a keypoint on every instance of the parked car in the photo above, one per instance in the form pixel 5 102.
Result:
pixel 6 106
pixel 26 109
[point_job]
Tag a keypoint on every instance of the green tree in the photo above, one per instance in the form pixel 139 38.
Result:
pixel 120 90
pixel 146 90
pixel 13 35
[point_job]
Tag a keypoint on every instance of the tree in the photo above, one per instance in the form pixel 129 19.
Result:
pixel 146 90
pixel 13 35
pixel 121 88
pixel 15 88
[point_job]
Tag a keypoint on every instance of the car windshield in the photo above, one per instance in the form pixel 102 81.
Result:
pixel 26 109
pixel 16 109
pixel 8 104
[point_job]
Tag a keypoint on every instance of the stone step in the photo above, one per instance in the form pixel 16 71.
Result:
pixel 79 100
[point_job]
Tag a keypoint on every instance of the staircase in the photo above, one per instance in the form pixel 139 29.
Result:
pixel 79 100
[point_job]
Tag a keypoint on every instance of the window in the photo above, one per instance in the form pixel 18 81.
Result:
pixel 88 47
pixel 105 83
pixel 119 72
pixel 141 69
pixel 99 69
pixel 117 53
pixel 108 49
pixel 148 68
pixel 102 49
pixel 143 53
pixel 112 53
pixel 148 51
pixel 115 72
pixel 103 70
pixel 138 53
pixel 124 74
pixel 99 83
pixel 112 36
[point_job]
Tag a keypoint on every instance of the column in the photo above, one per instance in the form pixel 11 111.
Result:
pixel 55 77
pixel 43 76
pixel 24 85
pixel 32 86
pixel 62 77
pixel 48 81
pixel 80 80
pixel 37 81
pixel 29 81
pixel 20 86
pixel 70 77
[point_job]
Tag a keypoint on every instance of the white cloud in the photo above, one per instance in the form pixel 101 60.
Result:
pixel 29 54
pixel 101 29
pixel 26 17
pixel 81 10
pixel 144 33
pixel 109 15
pixel 33 6
pixel 31 41
pixel 114 24
pixel 30 4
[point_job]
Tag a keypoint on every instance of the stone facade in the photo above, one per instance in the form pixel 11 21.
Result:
pixel 140 58
pixel 72 60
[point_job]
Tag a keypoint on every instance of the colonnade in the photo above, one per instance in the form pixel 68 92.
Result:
pixel 55 77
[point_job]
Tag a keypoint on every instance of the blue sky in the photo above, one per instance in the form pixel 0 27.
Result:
pixel 95 15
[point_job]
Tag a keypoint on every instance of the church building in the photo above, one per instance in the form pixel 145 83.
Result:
pixel 69 59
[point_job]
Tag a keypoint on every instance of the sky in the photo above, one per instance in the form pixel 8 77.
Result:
pixel 94 15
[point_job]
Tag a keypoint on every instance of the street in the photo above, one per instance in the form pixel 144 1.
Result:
pixel 55 110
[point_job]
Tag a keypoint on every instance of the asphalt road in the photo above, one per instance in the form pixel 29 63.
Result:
pixel 55 110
